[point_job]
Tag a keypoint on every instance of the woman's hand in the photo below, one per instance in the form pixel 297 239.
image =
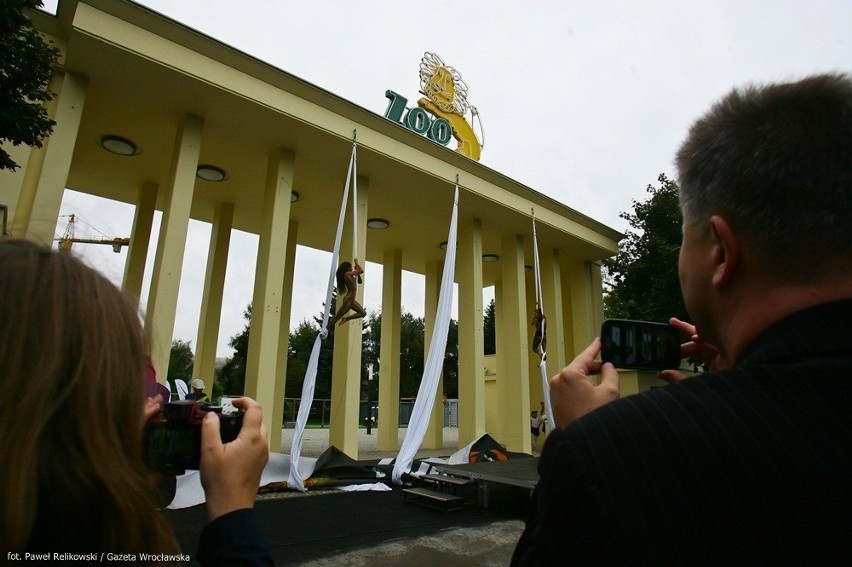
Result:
pixel 151 409
pixel 230 472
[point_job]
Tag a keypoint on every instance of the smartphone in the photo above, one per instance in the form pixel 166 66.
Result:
pixel 640 345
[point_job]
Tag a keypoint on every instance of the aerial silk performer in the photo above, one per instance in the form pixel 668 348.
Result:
pixel 295 481
pixel 540 345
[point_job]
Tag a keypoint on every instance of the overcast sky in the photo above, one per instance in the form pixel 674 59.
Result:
pixel 583 101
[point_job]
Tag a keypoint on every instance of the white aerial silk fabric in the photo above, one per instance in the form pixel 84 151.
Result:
pixel 428 390
pixel 295 481
pixel 542 363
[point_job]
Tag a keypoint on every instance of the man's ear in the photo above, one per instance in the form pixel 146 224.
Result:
pixel 727 251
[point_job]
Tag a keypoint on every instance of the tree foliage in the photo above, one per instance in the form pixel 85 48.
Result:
pixel 301 341
pixel 181 360
pixel 299 349
pixel 489 331
pixel 641 281
pixel 232 376
pixel 26 66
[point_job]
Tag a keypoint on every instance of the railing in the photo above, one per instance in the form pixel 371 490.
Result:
pixel 320 414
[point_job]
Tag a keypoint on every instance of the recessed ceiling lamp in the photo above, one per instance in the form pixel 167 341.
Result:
pixel 118 145
pixel 443 245
pixel 295 196
pixel 210 173
pixel 377 223
pixel 490 257
pixel 528 268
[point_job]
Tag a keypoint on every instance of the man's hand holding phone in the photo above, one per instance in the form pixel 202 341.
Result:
pixel 695 348
pixel 572 391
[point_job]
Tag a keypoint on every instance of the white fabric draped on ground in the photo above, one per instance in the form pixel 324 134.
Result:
pixel 428 390
pixel 189 491
pixel 296 479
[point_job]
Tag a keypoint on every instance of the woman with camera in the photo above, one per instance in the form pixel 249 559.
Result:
pixel 73 407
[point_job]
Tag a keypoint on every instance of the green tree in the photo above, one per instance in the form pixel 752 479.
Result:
pixel 410 349
pixel 299 347
pixel 451 361
pixel 232 376
pixel 181 360
pixel 26 65
pixel 411 353
pixel 489 330
pixel 641 281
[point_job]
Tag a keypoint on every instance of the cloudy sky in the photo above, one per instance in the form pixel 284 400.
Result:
pixel 584 101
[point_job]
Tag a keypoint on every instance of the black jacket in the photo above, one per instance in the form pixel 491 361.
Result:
pixel 752 465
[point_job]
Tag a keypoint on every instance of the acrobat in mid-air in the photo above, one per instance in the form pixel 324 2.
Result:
pixel 348 279
pixel 539 321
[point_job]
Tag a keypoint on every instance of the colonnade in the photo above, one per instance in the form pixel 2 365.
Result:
pixel 571 291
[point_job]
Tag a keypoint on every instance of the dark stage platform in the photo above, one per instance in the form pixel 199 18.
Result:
pixel 522 473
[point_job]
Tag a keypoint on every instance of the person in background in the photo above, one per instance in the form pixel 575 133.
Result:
pixel 535 428
pixel 73 405
pixel 750 463
pixel 153 387
pixel 198 394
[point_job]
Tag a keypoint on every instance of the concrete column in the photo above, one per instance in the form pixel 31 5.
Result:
pixel 168 263
pixel 584 306
pixel 211 299
pixel 47 171
pixel 12 182
pixel 434 436
pixel 389 375
pixel 596 285
pixel 471 350
pixel 140 238
pixel 536 388
pixel 346 368
pixel 551 289
pixel 494 423
pixel 277 410
pixel 264 339
pixel 514 395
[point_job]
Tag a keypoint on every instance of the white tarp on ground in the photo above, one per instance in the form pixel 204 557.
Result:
pixel 189 491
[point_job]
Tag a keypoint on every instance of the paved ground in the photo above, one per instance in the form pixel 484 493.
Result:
pixel 488 545
pixel 485 546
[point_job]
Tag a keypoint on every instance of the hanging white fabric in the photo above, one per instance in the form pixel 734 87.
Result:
pixel 295 481
pixel 428 390
pixel 542 363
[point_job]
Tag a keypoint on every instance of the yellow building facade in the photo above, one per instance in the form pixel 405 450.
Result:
pixel 194 110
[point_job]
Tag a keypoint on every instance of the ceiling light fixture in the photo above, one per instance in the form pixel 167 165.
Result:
pixel 118 145
pixel 377 223
pixel 295 196
pixel 490 257
pixel 210 173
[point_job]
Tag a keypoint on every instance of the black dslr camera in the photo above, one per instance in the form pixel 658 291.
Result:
pixel 173 440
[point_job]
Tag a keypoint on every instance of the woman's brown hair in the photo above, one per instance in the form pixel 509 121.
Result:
pixel 72 389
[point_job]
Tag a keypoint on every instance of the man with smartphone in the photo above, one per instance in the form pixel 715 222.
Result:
pixel 752 461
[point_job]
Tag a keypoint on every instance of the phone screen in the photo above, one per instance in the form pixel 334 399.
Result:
pixel 640 345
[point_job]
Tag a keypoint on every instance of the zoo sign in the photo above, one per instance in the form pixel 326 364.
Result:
pixel 417 120
pixel 441 113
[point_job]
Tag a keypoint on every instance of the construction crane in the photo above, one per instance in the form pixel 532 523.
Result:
pixel 68 238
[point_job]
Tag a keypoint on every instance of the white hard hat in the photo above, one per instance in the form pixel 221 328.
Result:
pixel 197 384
